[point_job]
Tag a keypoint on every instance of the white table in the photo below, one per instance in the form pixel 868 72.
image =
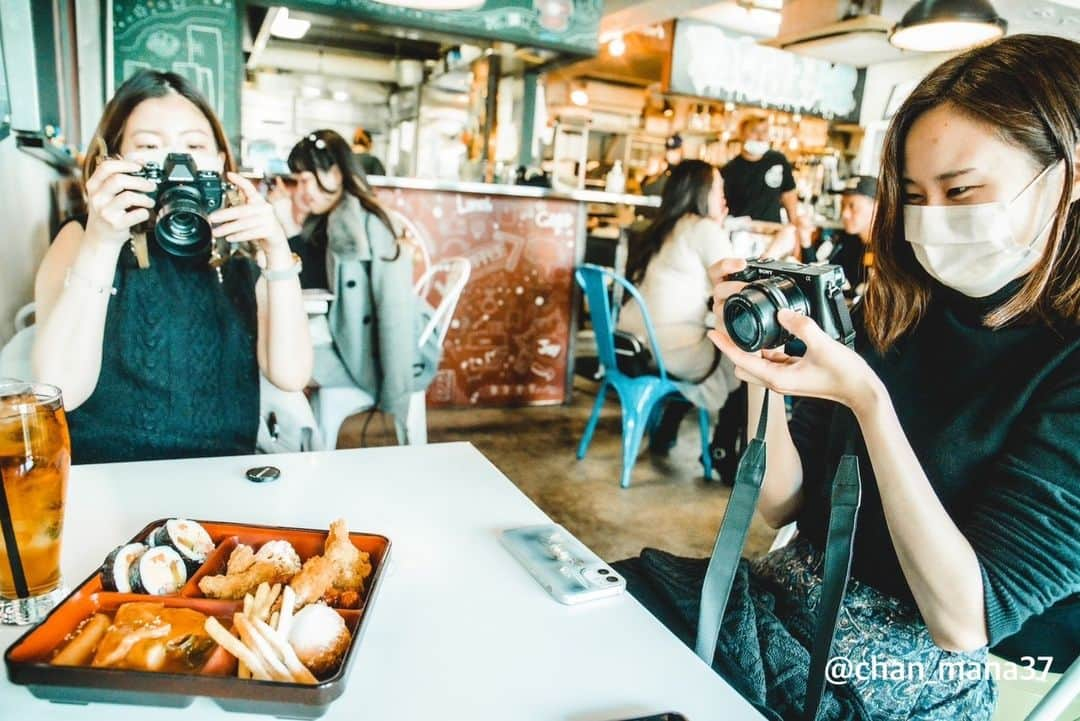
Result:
pixel 459 630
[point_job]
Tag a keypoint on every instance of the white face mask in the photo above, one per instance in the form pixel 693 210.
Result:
pixel 974 248
pixel 756 147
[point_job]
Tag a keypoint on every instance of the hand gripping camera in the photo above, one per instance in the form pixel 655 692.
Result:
pixel 813 290
pixel 184 197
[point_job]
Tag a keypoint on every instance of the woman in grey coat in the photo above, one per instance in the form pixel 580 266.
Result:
pixel 348 246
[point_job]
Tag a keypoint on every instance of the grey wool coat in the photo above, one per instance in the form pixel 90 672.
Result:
pixel 373 315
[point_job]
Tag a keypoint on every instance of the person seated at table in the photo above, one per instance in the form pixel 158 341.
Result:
pixel 348 245
pixel 670 266
pixel 850 249
pixel 961 400
pixel 163 361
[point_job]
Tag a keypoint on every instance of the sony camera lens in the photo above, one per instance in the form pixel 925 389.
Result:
pixel 182 228
pixel 750 314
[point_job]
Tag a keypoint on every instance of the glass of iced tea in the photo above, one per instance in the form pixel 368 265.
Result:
pixel 35 454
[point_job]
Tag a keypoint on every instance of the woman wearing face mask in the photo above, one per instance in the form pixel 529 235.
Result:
pixel 159 356
pixel 961 400
pixel 348 245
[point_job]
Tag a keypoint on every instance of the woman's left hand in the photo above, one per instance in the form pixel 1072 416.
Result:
pixel 828 370
pixel 254 221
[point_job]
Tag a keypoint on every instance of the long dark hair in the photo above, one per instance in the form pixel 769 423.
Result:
pixel 324 149
pixel 1024 87
pixel 686 191
pixel 141 86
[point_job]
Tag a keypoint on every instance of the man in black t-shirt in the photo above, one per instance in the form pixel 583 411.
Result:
pixel 673 155
pixel 759 181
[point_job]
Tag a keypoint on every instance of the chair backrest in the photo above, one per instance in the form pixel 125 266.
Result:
pixel 454 273
pixel 594 280
pixel 24 317
pixel 413 238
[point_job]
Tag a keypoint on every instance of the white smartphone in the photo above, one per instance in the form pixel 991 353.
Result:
pixel 562 564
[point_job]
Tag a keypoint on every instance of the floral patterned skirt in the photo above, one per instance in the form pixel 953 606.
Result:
pixel 884 667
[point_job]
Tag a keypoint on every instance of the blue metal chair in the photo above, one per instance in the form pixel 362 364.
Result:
pixel 641 397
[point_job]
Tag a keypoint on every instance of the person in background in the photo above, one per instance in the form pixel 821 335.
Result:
pixel 850 249
pixel 361 148
pixel 163 361
pixel 759 181
pixel 669 265
pixel 349 246
pixel 673 155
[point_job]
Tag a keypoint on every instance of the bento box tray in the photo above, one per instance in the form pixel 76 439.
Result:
pixel 27 658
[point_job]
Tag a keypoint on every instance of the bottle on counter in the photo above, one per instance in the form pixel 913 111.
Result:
pixel 615 181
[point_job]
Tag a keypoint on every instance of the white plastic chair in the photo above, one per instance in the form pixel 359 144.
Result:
pixel 413 237
pixel 286 421
pixel 24 317
pixel 784 536
pixel 15 355
pixel 334 404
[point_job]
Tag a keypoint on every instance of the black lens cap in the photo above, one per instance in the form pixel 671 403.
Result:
pixel 263 474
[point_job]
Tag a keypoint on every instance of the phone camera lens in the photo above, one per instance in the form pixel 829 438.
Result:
pixel 603 572
pixel 612 579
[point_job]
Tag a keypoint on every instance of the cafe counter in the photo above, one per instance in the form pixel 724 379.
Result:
pixel 511 340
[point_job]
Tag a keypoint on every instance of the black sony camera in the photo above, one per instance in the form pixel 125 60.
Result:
pixel 813 290
pixel 184 197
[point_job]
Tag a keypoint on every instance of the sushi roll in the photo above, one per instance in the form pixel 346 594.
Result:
pixel 160 571
pixel 116 571
pixel 187 538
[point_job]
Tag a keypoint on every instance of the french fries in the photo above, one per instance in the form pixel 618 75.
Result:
pixel 233 645
pixel 263 649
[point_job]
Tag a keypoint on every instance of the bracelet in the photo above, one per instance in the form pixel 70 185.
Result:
pixel 71 277
pixel 285 273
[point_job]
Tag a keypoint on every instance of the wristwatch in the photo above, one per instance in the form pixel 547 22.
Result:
pixel 285 273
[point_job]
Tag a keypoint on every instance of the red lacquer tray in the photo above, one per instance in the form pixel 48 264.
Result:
pixel 27 659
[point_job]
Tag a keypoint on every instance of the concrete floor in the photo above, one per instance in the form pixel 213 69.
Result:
pixel 669 505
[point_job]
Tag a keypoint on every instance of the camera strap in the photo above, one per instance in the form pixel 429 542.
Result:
pixel 846 496
pixel 731 539
pixel 139 248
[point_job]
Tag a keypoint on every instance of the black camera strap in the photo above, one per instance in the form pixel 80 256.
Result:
pixel 846 496
pixel 731 539
pixel 844 510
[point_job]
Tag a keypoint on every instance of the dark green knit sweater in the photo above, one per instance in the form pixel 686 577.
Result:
pixel 994 418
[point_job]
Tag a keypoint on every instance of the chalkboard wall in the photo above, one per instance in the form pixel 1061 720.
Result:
pixel 569 26
pixel 198 39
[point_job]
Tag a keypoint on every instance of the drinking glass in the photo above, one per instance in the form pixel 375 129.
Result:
pixel 35 455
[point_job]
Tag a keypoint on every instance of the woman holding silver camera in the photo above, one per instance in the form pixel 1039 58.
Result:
pixel 961 400
pixel 158 355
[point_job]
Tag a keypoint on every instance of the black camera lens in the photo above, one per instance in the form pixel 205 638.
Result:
pixel 182 228
pixel 750 315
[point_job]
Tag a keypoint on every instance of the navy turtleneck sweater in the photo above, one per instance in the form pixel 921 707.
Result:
pixel 994 418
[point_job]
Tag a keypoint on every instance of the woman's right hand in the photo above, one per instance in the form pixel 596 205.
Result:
pixel 722 287
pixel 116 201
pixel 722 290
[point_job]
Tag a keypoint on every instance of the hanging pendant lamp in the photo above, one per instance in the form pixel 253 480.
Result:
pixel 943 25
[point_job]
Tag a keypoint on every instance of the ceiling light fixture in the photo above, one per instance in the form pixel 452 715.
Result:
pixel 617 47
pixel 436 5
pixel 579 95
pixel 944 25
pixel 286 27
